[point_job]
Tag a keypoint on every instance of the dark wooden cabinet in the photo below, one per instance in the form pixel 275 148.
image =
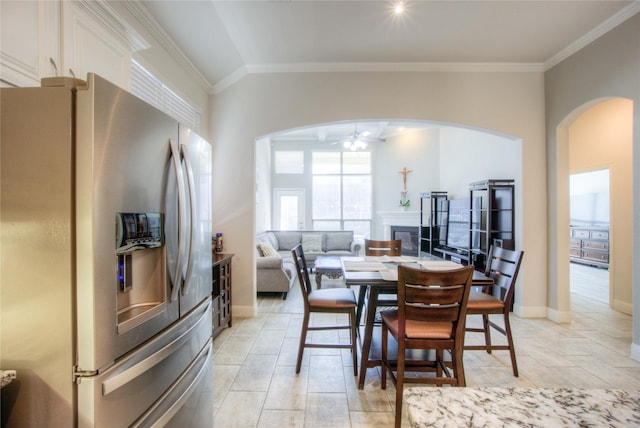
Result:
pixel 221 292
pixel 433 218
pixel 491 218
pixel 589 245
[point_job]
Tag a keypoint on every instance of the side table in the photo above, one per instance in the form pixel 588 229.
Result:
pixel 328 266
pixel 221 292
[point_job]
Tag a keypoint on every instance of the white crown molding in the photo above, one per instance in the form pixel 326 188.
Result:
pixel 230 79
pixel 407 67
pixel 151 25
pixel 601 29
pixel 117 26
pixel 377 67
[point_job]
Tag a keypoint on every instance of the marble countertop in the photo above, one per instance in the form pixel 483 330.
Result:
pixel 513 407
pixel 6 376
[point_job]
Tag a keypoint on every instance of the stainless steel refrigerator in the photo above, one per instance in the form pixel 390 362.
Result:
pixel 105 260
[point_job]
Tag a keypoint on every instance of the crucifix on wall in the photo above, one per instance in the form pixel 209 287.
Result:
pixel 404 173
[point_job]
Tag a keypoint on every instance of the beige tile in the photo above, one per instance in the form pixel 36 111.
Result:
pixel 370 399
pixel 326 374
pixel 255 374
pixel 327 410
pixel 288 390
pixel 372 419
pixel 240 409
pixel 276 322
pixel 233 351
pixel 281 419
pixel 223 377
pixel 250 327
pixel 289 353
pixel 268 342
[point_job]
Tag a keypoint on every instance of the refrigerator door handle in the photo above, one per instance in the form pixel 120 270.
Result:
pixel 113 383
pixel 177 163
pixel 192 212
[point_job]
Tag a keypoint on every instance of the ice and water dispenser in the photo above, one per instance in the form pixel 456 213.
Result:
pixel 141 268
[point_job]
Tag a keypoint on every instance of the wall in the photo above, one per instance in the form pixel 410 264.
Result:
pixel 509 103
pixel 608 67
pixel 480 155
pixel 419 151
pixel 602 138
pixel 263 192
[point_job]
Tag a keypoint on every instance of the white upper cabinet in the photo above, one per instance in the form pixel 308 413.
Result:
pixel 29 35
pixel 65 38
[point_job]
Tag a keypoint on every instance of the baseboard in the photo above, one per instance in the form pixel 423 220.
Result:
pixel 559 316
pixel 624 307
pixel 530 312
pixel 242 311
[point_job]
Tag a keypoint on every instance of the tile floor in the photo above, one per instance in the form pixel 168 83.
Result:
pixel 255 384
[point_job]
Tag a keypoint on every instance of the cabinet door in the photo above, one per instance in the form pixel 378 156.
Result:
pixel 91 46
pixel 30 43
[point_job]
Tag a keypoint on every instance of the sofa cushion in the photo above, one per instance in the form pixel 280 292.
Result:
pixel 338 241
pixel 266 250
pixel 287 240
pixel 312 243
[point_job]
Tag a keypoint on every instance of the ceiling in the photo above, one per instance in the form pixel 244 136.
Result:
pixel 224 40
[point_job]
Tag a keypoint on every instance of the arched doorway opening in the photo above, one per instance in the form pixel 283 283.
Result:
pixel 599 135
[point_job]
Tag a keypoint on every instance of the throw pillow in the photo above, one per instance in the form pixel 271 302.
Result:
pixel 312 243
pixel 339 241
pixel 267 250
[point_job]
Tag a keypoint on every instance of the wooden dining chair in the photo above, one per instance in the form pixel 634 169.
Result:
pixel 502 266
pixel 328 300
pixel 383 248
pixel 380 248
pixel 430 316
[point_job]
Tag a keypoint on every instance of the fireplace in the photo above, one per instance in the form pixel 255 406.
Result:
pixel 409 237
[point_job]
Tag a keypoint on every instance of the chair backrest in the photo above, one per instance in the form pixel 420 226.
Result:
pixel 434 296
pixel 503 266
pixel 303 272
pixel 383 248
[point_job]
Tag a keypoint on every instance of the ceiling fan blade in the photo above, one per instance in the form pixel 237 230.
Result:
pixel 372 139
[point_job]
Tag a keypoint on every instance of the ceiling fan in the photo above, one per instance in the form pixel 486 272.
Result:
pixel 359 140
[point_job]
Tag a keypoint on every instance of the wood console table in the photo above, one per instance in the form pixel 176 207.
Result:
pixel 221 292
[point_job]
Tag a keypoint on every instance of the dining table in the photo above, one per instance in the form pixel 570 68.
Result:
pixel 379 276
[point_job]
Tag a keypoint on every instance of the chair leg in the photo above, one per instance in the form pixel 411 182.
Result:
pixel 458 366
pixel 383 352
pixel 487 332
pixel 354 345
pixel 399 383
pixel 303 340
pixel 512 351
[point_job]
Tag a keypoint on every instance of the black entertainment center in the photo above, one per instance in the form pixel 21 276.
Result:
pixel 463 229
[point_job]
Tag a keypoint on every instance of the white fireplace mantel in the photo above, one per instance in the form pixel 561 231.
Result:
pixel 398 218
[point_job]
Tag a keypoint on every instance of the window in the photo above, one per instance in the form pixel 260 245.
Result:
pixel 289 162
pixel 149 88
pixel 342 191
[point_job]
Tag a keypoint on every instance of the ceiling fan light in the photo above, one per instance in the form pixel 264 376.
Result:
pixel 347 144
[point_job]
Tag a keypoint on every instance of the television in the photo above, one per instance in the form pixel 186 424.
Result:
pixel 458 222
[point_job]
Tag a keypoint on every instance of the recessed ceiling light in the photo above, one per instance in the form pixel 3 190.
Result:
pixel 398 7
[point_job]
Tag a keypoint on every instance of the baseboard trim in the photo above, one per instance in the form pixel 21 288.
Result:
pixel 242 311
pixel 559 316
